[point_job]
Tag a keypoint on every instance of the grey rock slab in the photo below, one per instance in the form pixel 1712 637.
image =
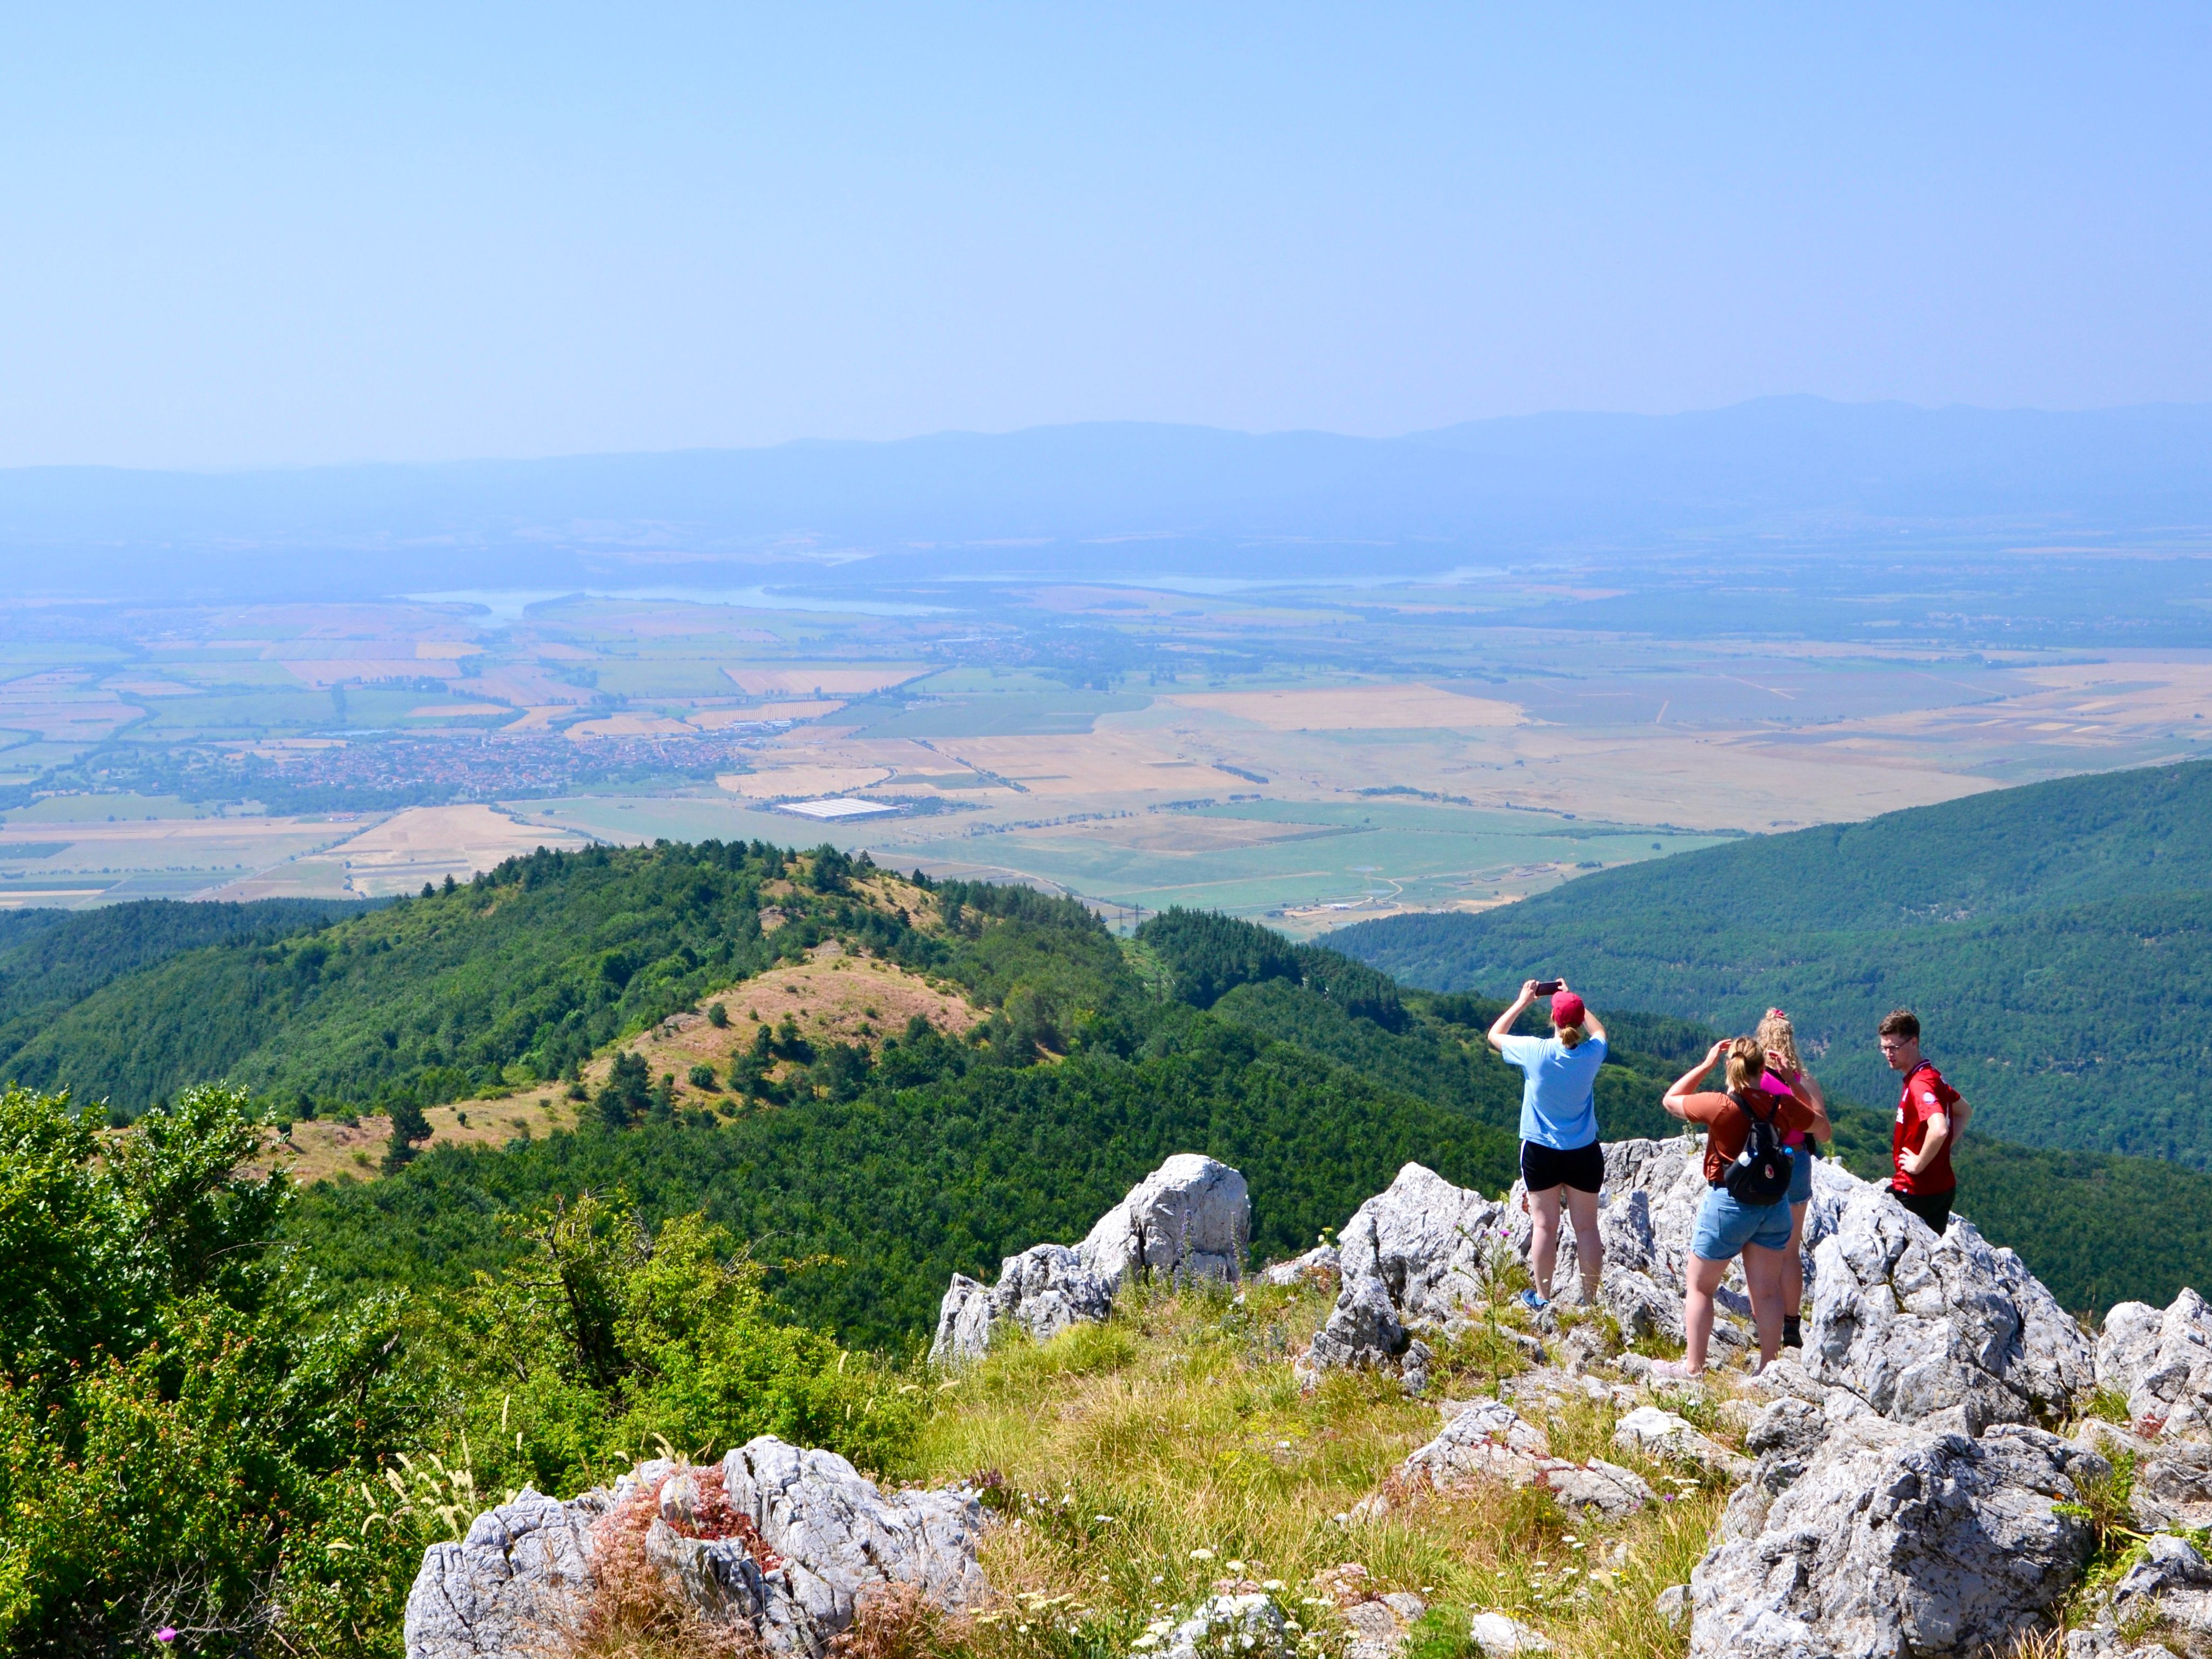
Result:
pixel 512 1585
pixel 2162 1361
pixel 2171 1584
pixel 1899 1540
pixel 517 1585
pixel 1426 1241
pixel 1238 1625
pixel 1363 1331
pixel 1043 1291
pixel 1490 1439
pixel 1658 1433
pixel 1918 1325
pixel 1321 1261
pixel 1189 1220
pixel 1499 1635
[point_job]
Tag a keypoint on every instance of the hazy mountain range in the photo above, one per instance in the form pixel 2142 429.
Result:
pixel 1126 499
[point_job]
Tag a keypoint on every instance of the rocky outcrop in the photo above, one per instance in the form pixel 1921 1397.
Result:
pixel 2161 1363
pixel 1190 1219
pixel 1920 1326
pixel 1320 1262
pixel 1899 1539
pixel 783 1541
pixel 1654 1433
pixel 1243 1624
pixel 1490 1439
pixel 1043 1291
pixel 2168 1590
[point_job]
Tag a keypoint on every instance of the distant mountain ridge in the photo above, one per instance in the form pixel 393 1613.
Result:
pixel 2056 938
pixel 1121 498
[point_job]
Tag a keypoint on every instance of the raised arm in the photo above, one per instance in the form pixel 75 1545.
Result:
pixel 1501 1027
pixel 1686 1084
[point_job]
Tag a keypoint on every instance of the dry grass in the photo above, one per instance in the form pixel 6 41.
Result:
pixel 1144 1462
pixel 636 1610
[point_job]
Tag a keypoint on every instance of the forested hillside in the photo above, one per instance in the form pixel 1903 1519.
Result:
pixel 865 1172
pixel 2056 939
pixel 51 960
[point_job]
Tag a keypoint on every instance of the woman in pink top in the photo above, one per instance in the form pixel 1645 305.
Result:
pixel 1784 1068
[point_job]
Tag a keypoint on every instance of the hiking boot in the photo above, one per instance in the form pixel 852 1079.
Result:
pixel 1534 1302
pixel 1792 1334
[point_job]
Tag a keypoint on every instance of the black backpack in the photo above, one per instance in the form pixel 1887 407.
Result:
pixel 1760 1175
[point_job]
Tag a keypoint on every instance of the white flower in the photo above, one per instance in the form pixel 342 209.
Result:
pixel 1202 1555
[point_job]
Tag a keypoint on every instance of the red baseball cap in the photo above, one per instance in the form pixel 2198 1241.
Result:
pixel 1566 1009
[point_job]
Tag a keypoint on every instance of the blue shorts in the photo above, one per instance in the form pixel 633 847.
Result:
pixel 1801 1178
pixel 1725 1226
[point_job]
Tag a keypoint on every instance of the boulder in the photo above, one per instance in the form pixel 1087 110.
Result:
pixel 2162 1362
pixel 1490 1439
pixel 509 1585
pixel 2172 1583
pixel 1043 1291
pixel 1427 1242
pixel 1321 1261
pixel 1248 1623
pixel 1661 1434
pixel 1190 1219
pixel 520 1580
pixel 1362 1333
pixel 1498 1635
pixel 1918 1326
pixel 1901 1540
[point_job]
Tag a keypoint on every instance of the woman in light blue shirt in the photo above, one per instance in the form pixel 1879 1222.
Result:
pixel 1559 1152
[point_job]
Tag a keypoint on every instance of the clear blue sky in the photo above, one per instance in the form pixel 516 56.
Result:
pixel 236 234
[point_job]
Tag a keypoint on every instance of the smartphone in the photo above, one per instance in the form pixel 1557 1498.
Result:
pixel 1546 986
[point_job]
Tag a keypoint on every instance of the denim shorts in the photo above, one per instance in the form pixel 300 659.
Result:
pixel 1801 1178
pixel 1725 1226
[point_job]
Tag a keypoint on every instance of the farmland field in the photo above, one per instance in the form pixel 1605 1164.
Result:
pixel 1302 755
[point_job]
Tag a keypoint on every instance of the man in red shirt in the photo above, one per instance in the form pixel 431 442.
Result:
pixel 1930 1118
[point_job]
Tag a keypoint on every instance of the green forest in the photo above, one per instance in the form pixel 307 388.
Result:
pixel 2055 940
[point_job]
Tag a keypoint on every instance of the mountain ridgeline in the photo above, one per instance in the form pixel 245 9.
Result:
pixel 2055 940
pixel 877 1167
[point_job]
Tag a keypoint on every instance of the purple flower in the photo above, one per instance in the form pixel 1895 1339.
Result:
pixel 166 1634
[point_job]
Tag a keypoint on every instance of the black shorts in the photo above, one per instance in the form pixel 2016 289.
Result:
pixel 1543 1168
pixel 1934 1208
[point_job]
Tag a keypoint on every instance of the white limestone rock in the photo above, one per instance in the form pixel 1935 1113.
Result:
pixel 1899 1539
pixel 1363 1332
pixel 2162 1361
pixel 1321 1261
pixel 520 1580
pixel 1043 1291
pixel 1657 1433
pixel 509 1585
pixel 1919 1326
pixel 1190 1219
pixel 1426 1241
pixel 1500 1636
pixel 1244 1624
pixel 1490 1439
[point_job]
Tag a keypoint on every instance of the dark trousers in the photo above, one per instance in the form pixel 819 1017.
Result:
pixel 1934 1208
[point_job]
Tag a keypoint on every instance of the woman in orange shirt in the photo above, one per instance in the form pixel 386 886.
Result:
pixel 1726 1223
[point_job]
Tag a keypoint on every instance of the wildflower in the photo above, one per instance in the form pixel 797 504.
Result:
pixel 1273 1585
pixel 1202 1555
pixel 166 1634
pixel 1236 1567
